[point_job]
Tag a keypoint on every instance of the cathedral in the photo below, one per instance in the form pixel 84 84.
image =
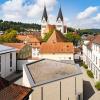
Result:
pixel 46 26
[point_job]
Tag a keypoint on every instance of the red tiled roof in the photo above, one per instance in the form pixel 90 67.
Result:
pixel 51 27
pixel 36 45
pixel 90 37
pixel 93 39
pixel 15 45
pixel 56 36
pixel 89 45
pixel 29 38
pixel 61 47
pixel 97 39
pixel 13 91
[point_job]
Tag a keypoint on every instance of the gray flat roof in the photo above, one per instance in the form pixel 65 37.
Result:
pixel 45 71
pixel 4 49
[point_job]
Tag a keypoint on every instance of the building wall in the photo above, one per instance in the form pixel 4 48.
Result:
pixel 92 59
pixel 65 89
pixel 57 56
pixel 27 79
pixel 20 63
pixel 6 69
pixel 35 52
pixel 60 25
pixel 43 27
pixel 84 53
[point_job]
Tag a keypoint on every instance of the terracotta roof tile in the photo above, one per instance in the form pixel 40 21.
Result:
pixel 13 91
pixel 29 38
pixel 36 45
pixel 18 46
pixel 97 39
pixel 61 47
pixel 90 37
pixel 56 36
pixel 89 45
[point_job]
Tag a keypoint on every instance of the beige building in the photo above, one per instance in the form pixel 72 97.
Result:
pixel 91 55
pixel 53 80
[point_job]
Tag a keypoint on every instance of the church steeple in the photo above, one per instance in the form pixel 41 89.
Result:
pixel 60 15
pixel 44 22
pixel 45 16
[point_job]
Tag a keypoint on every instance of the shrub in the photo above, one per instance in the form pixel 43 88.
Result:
pixel 90 74
pixel 85 66
pixel 97 85
pixel 81 63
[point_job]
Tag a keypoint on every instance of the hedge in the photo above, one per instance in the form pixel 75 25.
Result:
pixel 98 85
pixel 90 74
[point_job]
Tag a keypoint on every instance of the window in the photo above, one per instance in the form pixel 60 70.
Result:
pixel 79 97
pixel 0 63
pixel 10 59
pixel 96 60
pixel 10 70
pixel 96 74
pixel 69 57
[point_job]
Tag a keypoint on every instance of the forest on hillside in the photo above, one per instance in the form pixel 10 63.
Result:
pixel 21 27
pixel 18 26
pixel 84 31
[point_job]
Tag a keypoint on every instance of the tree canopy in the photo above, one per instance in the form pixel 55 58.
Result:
pixel 75 38
pixel 20 27
pixel 47 36
pixel 9 36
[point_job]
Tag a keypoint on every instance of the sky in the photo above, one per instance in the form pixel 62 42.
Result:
pixel 77 13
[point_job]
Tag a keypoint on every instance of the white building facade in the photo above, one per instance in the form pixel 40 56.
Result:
pixel 58 56
pixel 7 61
pixel 91 57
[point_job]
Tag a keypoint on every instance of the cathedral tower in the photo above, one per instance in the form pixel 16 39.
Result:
pixel 60 21
pixel 44 21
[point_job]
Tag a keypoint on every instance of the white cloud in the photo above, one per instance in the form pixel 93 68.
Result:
pixel 31 11
pixel 24 10
pixel 97 18
pixel 87 12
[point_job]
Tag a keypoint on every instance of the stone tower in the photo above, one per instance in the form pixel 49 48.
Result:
pixel 60 21
pixel 44 21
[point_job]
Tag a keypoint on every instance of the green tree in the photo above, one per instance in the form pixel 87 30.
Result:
pixel 9 36
pixel 75 38
pixel 47 36
pixel 20 27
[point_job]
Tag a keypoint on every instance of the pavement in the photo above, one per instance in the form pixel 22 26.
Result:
pixel 89 90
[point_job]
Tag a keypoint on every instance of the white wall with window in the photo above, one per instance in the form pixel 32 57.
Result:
pixel 7 61
pixel 92 59
pixel 35 52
